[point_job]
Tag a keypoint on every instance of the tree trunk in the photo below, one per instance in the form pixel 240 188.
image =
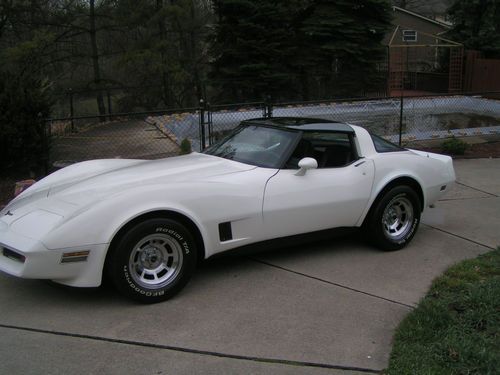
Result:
pixel 193 57
pixel 95 62
pixel 163 63
pixel 304 84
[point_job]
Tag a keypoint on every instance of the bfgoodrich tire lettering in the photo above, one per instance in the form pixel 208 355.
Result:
pixel 153 261
pixel 394 218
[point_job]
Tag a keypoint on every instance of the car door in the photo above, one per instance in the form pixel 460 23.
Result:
pixel 320 199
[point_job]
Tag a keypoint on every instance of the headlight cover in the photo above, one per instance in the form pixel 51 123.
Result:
pixel 36 223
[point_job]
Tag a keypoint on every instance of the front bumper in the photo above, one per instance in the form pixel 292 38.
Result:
pixel 28 258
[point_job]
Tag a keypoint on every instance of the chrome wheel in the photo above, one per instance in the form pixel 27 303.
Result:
pixel 155 261
pixel 397 218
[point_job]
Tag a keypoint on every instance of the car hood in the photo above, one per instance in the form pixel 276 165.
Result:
pixel 83 183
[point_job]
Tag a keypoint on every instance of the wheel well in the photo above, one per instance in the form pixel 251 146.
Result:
pixel 408 181
pixel 184 220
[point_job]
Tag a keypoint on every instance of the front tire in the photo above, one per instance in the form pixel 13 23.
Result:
pixel 153 261
pixel 394 218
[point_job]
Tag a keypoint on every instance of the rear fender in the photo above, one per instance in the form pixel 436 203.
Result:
pixel 379 186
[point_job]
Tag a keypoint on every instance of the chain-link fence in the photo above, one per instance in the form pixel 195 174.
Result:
pixel 144 135
pixel 402 120
pixel 158 134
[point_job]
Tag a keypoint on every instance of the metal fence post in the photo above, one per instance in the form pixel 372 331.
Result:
pixel 202 124
pixel 268 107
pixel 46 128
pixel 109 104
pixel 401 104
pixel 209 123
pixel 71 110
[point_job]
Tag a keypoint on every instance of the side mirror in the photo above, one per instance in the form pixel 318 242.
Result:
pixel 306 164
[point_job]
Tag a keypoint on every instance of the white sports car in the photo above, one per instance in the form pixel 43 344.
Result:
pixel 146 223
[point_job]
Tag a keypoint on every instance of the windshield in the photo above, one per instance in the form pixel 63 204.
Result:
pixel 256 145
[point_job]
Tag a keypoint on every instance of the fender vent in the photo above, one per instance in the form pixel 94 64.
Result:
pixel 225 231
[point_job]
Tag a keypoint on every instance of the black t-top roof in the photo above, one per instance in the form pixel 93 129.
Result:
pixel 302 123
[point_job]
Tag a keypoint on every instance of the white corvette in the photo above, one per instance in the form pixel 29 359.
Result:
pixel 146 223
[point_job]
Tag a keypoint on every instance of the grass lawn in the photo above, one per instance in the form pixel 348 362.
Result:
pixel 456 327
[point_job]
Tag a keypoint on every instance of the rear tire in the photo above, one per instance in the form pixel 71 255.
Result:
pixel 394 218
pixel 153 261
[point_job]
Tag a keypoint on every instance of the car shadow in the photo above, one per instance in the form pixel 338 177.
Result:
pixel 255 254
pixel 208 270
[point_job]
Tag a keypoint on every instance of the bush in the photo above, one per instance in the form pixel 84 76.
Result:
pixel 454 146
pixel 185 147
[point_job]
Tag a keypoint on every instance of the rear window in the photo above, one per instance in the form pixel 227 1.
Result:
pixel 382 145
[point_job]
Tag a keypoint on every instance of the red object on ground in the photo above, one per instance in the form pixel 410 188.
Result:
pixel 22 186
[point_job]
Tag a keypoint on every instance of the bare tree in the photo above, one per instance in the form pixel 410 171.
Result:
pixel 95 60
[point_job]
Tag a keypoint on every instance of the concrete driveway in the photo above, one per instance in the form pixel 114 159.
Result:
pixel 325 308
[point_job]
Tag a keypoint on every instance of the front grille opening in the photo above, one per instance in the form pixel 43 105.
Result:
pixel 13 255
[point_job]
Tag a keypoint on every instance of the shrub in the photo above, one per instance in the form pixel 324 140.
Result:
pixel 185 147
pixel 454 146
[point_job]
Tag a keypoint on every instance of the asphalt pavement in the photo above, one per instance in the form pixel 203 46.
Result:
pixel 323 308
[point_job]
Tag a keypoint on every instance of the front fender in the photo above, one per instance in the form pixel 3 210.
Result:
pixel 99 222
pixel 206 204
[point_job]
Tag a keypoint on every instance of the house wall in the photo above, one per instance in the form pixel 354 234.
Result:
pixel 417 65
pixel 418 59
pixel 407 21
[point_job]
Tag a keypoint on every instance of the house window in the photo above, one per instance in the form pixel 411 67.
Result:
pixel 409 35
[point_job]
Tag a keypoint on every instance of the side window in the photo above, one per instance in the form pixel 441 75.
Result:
pixel 331 150
pixel 381 145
